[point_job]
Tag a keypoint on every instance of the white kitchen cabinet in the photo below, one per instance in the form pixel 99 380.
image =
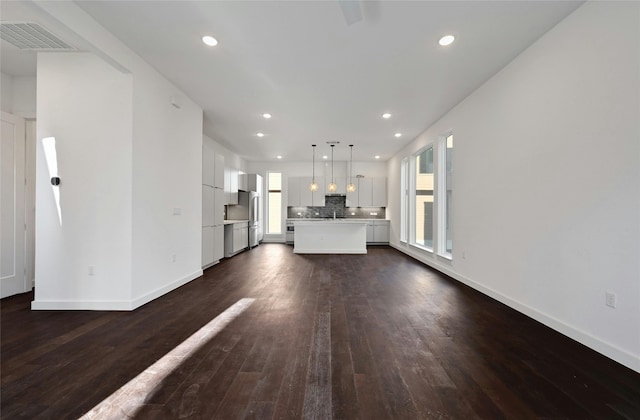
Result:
pixel 293 191
pixel 250 182
pixel 370 192
pixel 218 242
pixel 370 232
pixel 299 194
pixel 378 192
pixel 240 237
pixel 208 164
pixel 364 192
pixel 243 184
pixel 236 238
pixel 378 232
pixel 208 253
pixel 218 175
pixel 208 205
pixel 218 210
pixel 308 198
pixel 340 184
pixel 352 197
pixel 231 185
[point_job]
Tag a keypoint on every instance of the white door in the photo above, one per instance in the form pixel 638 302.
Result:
pixel 13 277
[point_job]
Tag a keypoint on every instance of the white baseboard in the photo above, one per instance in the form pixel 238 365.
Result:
pixel 80 305
pixel 619 355
pixel 164 290
pixel 101 305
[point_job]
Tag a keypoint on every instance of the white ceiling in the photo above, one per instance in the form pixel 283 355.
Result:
pixel 322 79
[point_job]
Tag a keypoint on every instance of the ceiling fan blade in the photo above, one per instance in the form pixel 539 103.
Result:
pixel 351 11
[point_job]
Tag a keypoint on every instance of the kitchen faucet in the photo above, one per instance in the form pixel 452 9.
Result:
pixel 334 215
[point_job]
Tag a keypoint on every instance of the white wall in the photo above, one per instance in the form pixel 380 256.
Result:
pixel 6 93
pixel 18 95
pixel 80 104
pixel 164 169
pixel 546 175
pixel 167 176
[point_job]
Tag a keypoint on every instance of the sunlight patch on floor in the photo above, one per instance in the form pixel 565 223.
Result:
pixel 125 402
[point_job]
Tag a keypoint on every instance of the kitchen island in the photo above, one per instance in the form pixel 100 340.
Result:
pixel 332 236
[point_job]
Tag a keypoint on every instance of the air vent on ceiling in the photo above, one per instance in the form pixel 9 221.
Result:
pixel 32 36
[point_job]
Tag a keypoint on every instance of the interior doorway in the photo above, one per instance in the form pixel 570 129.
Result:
pixel 17 205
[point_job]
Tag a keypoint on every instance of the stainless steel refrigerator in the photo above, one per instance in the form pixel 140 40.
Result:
pixel 248 208
pixel 254 218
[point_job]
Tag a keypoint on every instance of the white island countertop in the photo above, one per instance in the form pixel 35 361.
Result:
pixel 330 236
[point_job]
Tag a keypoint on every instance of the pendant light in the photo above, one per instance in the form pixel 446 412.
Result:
pixel 332 186
pixel 313 187
pixel 351 187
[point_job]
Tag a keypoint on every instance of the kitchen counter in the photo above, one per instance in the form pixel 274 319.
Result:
pixel 330 236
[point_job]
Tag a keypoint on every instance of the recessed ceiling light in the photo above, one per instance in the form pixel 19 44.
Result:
pixel 260 134
pixel 325 157
pixel 279 157
pixel 210 41
pixel 266 115
pixel 446 40
pixel 398 135
pixel 386 115
pixel 377 156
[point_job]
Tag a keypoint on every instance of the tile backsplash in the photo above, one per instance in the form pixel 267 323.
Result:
pixel 338 204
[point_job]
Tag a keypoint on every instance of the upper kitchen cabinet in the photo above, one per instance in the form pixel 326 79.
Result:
pixel 250 182
pixel 208 164
pixel 378 192
pixel 309 198
pixel 293 191
pixel 218 178
pixel 299 194
pixel 212 167
pixel 340 184
pixel 231 185
pixel 370 192
pixel 208 205
pixel 364 191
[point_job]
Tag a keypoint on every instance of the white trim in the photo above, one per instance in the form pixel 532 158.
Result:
pixel 81 305
pixel 609 350
pixel 114 305
pixel 146 298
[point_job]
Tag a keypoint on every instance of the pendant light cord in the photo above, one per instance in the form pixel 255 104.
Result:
pixel 351 164
pixel 313 177
pixel 333 180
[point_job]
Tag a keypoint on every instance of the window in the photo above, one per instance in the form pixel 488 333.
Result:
pixel 445 193
pixel 423 209
pixel 404 199
pixel 274 197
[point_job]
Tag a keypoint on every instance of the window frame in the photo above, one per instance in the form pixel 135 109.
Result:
pixel 268 205
pixel 404 200
pixel 413 199
pixel 442 217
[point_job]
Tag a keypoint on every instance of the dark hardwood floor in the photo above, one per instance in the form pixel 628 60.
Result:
pixel 374 336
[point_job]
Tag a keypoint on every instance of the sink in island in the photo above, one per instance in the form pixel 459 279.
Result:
pixel 332 236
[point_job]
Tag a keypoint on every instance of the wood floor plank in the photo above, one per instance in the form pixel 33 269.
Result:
pixel 317 399
pixel 374 336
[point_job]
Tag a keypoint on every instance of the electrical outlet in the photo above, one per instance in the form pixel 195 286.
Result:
pixel 92 270
pixel 610 299
pixel 173 258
